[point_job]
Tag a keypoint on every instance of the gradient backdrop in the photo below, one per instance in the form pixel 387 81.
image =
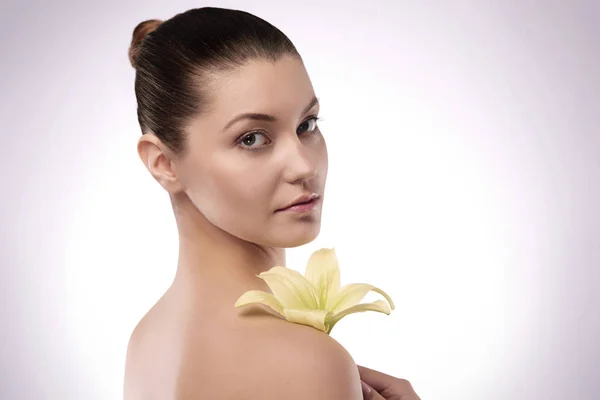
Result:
pixel 464 180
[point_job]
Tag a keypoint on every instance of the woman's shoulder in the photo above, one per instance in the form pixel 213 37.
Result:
pixel 249 357
pixel 268 358
pixel 151 351
pixel 157 349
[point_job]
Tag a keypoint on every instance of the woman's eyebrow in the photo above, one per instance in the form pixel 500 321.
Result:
pixel 266 117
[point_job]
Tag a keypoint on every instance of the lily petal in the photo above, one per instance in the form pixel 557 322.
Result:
pixel 260 297
pixel 314 318
pixel 379 306
pixel 353 293
pixel 291 288
pixel 323 271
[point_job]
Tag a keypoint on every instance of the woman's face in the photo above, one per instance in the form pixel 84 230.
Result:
pixel 240 171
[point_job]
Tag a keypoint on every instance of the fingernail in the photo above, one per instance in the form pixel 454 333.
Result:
pixel 366 389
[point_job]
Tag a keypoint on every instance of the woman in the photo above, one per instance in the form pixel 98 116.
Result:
pixel 229 129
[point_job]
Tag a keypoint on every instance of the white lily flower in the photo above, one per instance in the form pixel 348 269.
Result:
pixel 315 299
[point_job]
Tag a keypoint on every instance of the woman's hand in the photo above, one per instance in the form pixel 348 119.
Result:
pixel 379 386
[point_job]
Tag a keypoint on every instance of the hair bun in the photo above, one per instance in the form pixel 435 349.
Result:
pixel 139 33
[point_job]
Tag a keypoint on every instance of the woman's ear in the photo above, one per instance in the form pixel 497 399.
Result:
pixel 158 159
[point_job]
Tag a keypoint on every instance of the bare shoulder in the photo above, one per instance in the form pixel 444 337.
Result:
pixel 151 358
pixel 304 363
pixel 257 357
pixel 135 362
pixel 271 359
pixel 131 387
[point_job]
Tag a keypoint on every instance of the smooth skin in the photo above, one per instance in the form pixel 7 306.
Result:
pixel 225 189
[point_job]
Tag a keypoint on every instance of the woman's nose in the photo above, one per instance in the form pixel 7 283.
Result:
pixel 299 165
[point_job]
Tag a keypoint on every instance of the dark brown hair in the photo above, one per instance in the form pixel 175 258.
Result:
pixel 174 58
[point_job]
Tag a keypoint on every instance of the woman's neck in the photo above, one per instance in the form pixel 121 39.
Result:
pixel 213 262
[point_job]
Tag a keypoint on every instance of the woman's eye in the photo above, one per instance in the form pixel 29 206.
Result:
pixel 257 140
pixel 308 126
pixel 251 139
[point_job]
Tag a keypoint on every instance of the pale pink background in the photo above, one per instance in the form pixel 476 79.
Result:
pixel 476 205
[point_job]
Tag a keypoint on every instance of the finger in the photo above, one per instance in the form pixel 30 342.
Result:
pixel 369 393
pixel 387 385
pixel 377 380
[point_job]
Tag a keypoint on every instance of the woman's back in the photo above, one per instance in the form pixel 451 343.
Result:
pixel 185 349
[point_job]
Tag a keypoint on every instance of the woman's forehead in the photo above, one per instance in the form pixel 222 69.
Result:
pixel 260 86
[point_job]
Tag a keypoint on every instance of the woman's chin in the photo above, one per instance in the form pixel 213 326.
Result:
pixel 290 239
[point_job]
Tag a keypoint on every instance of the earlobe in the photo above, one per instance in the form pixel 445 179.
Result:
pixel 158 160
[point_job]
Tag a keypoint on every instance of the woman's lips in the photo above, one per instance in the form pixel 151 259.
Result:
pixel 302 207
